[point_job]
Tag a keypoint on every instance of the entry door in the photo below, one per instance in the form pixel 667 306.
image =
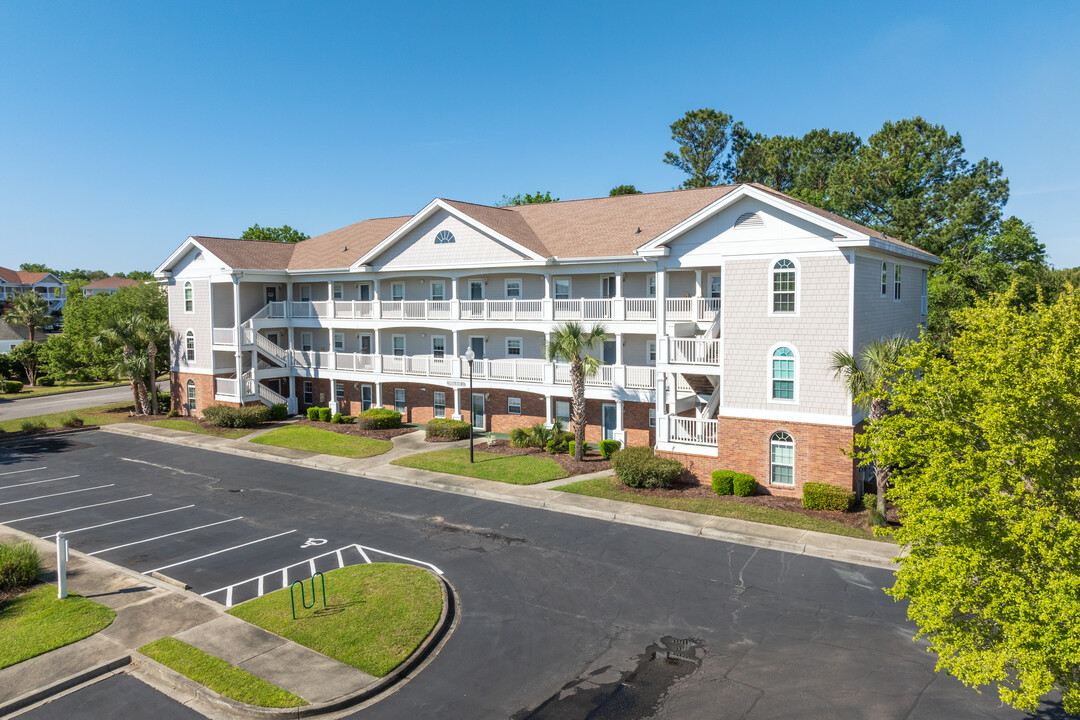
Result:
pixel 476 290
pixel 609 421
pixel 365 292
pixel 609 352
pixel 478 416
pixel 365 344
pixel 365 397
pixel 272 337
pixel 271 293
pixel 477 346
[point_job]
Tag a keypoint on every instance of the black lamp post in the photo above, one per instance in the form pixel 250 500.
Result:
pixel 470 356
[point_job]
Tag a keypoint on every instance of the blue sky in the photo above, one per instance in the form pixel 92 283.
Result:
pixel 125 127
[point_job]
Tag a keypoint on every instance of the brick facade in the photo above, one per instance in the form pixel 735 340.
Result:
pixel 204 392
pixel 744 447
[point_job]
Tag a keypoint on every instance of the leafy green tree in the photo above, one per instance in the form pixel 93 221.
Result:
pixel 912 181
pixel 703 137
pixel 60 358
pixel 30 310
pixel 29 356
pixel 284 234
pixel 85 317
pixel 985 451
pixel 1056 280
pixel 571 343
pixel 623 190
pixel 867 379
pixel 526 199
pixel 138 337
pixel 138 275
pixel 38 267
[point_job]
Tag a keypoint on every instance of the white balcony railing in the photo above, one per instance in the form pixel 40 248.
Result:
pixel 224 336
pixel 583 309
pixel 225 386
pixel 603 377
pixel 640 378
pixel 692 431
pixel 354 309
pixel 691 309
pixel 695 351
pixel 640 309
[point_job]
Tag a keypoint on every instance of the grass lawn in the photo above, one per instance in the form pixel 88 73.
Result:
pixel 99 415
pixel 37 622
pixel 515 469
pixel 29 392
pixel 219 675
pixel 186 426
pixel 375 615
pixel 301 437
pixel 611 489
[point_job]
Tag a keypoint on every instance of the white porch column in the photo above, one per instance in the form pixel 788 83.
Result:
pixel 661 408
pixel 618 348
pixel 288 305
pixel 238 355
pixel 697 283
pixel 549 306
pixel 378 394
pixel 330 298
pixel 376 338
pixel 457 350
pixel 620 431
pixel 618 303
pixel 548 408
pixel 457 404
pixel 661 316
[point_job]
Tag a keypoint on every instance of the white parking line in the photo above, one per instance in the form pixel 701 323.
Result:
pixel 217 552
pixel 114 522
pixel 14 472
pixel 69 492
pixel 37 482
pixel 159 537
pixel 81 507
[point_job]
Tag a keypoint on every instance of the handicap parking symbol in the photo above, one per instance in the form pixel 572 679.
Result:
pixel 312 542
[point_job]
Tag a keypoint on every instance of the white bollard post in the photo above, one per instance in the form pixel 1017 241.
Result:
pixel 61 564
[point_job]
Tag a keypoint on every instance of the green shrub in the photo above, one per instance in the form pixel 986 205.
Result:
pixel 745 485
pixel 570 446
pixel 608 448
pixel 164 399
pixel 446 428
pixel 12 386
pixel 71 420
pixel 173 413
pixel 32 425
pixel 348 419
pixel 313 414
pixel 723 482
pixel 242 417
pixel 378 418
pixel 640 467
pixel 559 444
pixel 279 412
pixel 821 496
pixel 324 414
pixel 520 438
pixel 46 381
pixel 20 565
pixel 336 419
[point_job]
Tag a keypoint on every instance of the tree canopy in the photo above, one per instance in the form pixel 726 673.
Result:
pixel 703 136
pixel 30 310
pixel 284 234
pixel 526 199
pixel 985 451
pixel 623 190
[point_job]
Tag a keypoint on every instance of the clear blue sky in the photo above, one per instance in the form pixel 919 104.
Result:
pixel 127 126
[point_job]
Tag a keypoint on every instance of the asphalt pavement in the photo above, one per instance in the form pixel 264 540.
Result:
pixel 560 616
pixel 62 402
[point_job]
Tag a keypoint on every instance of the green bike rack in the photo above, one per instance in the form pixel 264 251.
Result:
pixel 303 596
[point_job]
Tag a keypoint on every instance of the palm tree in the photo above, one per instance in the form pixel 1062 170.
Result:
pixel 571 343
pixel 868 378
pixel 130 333
pixel 29 309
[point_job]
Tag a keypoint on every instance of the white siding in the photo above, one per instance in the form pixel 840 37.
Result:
pixel 876 316
pixel 470 246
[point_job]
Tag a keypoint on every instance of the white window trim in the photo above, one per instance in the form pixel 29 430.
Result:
pixel 392 293
pixel 308 391
pixel 510 406
pixel 569 287
pixel 707 290
pixel 435 405
pixel 400 391
pixel 339 390
pixel 506 347
pixel 793 458
pixel 191 396
pixel 652 417
pixel 192 358
pixel 884 279
pixel 506 289
pixel 798 285
pixel 305 289
pixel 769 378
pixel 555 410
pixel 310 343
pixel 897 284
pixel 483 289
pixel 404 348
pixel 433 339
pixel 650 285
pixel 431 290
pixel 650 352
pixel 338 335
pixel 189 286
pixel 339 291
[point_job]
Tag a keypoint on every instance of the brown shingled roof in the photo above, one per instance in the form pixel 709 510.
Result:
pixel 249 254
pixel 110 282
pixel 21 277
pixel 341 248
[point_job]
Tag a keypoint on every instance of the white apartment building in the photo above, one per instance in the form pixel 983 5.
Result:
pixel 107 286
pixel 722 307
pixel 47 285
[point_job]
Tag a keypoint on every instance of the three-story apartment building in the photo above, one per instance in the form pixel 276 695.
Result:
pixel 51 288
pixel 722 307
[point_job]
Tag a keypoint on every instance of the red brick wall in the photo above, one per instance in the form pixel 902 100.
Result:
pixel 204 392
pixel 744 447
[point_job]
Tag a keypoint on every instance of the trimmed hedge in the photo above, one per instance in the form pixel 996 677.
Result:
pixel 313 414
pixel 12 386
pixel 324 414
pixel 378 418
pixel 20 565
pixel 608 448
pixel 640 467
pixel 242 417
pixel 559 444
pixel 279 412
pixel 520 438
pixel 172 413
pixel 337 418
pixel 821 496
pixel 745 485
pixel 723 482
pixel 46 381
pixel 571 446
pixel 447 428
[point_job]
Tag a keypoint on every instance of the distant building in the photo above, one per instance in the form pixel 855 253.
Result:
pixel 11 337
pixel 107 286
pixel 47 285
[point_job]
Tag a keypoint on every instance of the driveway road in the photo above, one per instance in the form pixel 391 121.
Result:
pixel 62 402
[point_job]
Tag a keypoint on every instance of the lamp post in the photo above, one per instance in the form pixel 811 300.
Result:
pixel 470 356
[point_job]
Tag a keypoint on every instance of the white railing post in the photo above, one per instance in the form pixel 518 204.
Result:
pixel 61 564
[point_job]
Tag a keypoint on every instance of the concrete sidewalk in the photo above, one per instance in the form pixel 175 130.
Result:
pixel 148 608
pixel 543 495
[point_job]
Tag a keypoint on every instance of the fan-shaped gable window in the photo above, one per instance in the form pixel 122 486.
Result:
pixel 783 286
pixel 444 237
pixel 749 220
pixel 782 459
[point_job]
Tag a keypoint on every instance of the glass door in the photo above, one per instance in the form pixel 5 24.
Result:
pixel 478 415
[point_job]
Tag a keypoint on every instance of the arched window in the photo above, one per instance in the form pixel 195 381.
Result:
pixel 783 374
pixel 189 298
pixel 189 346
pixel 781 459
pixel 190 395
pixel 783 286
pixel 444 236
pixel 884 279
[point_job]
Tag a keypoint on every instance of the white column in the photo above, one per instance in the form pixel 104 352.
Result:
pixel 618 284
pixel 620 430
pixel 378 394
pixel 330 298
pixel 548 408
pixel 376 338
pixel 239 358
pixel 210 304
pixel 288 304
pixel 456 350
pixel 618 348
pixel 661 408
pixel 661 317
pixel 697 283
pixel 457 404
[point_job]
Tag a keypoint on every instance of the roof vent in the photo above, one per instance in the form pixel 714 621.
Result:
pixel 749 220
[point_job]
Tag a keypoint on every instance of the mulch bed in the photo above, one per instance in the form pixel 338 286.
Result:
pixel 349 429
pixel 592 462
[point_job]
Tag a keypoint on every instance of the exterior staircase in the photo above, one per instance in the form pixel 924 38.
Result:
pixel 704 386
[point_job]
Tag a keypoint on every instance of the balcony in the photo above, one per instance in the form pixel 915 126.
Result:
pixel 695 351
pixel 692 431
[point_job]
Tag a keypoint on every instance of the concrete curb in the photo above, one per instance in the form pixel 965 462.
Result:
pixel 35 696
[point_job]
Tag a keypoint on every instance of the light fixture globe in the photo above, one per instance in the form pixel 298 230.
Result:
pixel 470 355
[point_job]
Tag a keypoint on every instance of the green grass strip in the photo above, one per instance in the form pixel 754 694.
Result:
pixel 219 675
pixel 37 621
pixel 59 388
pixel 610 488
pixel 187 426
pixel 515 469
pixel 99 415
pixel 374 618
pixel 326 442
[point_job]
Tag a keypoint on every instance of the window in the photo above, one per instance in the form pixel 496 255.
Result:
pixel 896 283
pixel 783 374
pixel 781 459
pixel 397 291
pixel 438 346
pixel 305 342
pixel 399 400
pixel 339 390
pixel 339 291
pixel 513 347
pixel 562 411
pixel 650 351
pixel 715 286
pixel 783 286
pixel 307 393
pixel 365 344
pixel 650 286
pixel 513 288
pixel 365 398
pixel 444 237
pixel 339 342
pixel 439 402
pixel 562 288
pixel 476 289
pixel 438 290
pixel 305 293
pixel 513 405
pixel 190 395
pixel 398 342
pixel 189 343
pixel 884 279
pixel 189 298
pixel 652 417
pixel 924 293
pixel 607 286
